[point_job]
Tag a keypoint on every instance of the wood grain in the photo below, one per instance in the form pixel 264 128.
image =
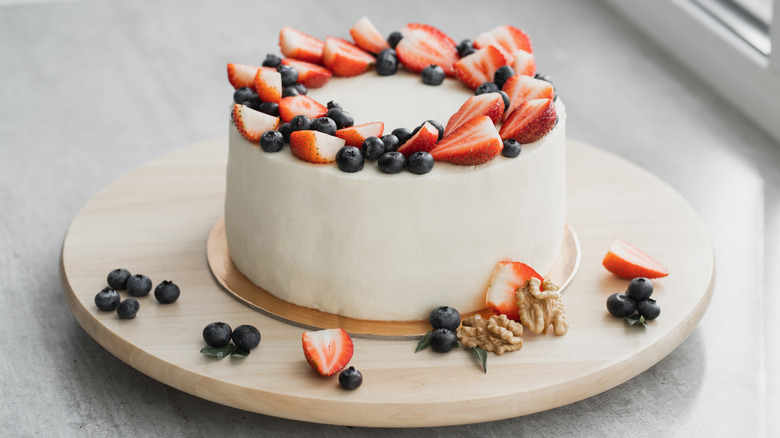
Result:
pixel 155 220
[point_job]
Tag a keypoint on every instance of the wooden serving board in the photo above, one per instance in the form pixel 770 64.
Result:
pixel 156 220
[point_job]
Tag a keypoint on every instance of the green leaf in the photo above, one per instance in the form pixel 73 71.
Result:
pixel 481 356
pixel 423 343
pixel 219 353
pixel 636 320
pixel 239 352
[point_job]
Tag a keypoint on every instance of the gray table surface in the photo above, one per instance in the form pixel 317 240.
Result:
pixel 92 89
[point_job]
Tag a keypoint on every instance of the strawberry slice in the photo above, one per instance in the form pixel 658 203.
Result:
pixel 627 261
pixel 507 39
pixel 423 140
pixel 423 45
pixel 531 121
pixel 310 75
pixel 315 146
pixel 292 106
pixel 520 88
pixel 251 123
pixel 357 134
pixel 327 351
pixel 488 104
pixel 473 143
pixel 524 63
pixel 507 277
pixel 479 67
pixel 367 36
pixel 268 83
pixel 298 45
pixel 346 59
pixel 242 75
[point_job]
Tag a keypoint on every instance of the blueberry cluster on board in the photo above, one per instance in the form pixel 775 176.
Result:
pixel 137 285
pixel 218 335
pixel 635 304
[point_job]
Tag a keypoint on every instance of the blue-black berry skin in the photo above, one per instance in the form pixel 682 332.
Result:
pixel 350 159
pixel 324 124
pixel 286 130
pixel 621 305
pixel 350 379
pixel 402 134
pixel 372 148
pixel 107 299
pixel 640 289
pixel 342 118
pixel 465 46
pixel 270 108
pixel 289 75
pixel 139 285
pixel 167 292
pixel 648 308
pixel 505 97
pixel 438 127
pixel 333 104
pixel 433 75
pixel 217 334
pixel 243 94
pixel 502 74
pixel 511 148
pixel 272 141
pixel 128 308
pixel 300 123
pixel 272 60
pixel 391 142
pixel 391 162
pixel 246 337
pixel 444 317
pixel 254 103
pixel 486 87
pixel 443 340
pixel 117 279
pixel 386 63
pixel 302 89
pixel 394 38
pixel 419 162
pixel 290 91
pixel 468 52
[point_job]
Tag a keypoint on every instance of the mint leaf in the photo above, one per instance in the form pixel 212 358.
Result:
pixel 481 356
pixel 239 352
pixel 423 343
pixel 219 353
pixel 636 320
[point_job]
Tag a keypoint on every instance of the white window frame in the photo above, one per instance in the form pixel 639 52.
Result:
pixel 746 78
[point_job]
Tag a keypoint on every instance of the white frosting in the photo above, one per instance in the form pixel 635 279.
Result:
pixel 392 247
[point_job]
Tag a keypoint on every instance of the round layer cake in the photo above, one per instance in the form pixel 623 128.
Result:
pixel 368 245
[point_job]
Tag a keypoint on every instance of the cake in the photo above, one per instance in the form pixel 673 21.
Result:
pixel 376 246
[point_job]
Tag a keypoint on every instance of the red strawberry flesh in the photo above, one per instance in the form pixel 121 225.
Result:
pixel 627 261
pixel 357 134
pixel 310 75
pixel 315 146
pixel 423 45
pixel 531 121
pixel 507 277
pixel 473 143
pixel 367 37
pixel 241 75
pixel 424 140
pixel 327 351
pixel 479 67
pixel 520 88
pixel 296 44
pixel 487 104
pixel 345 59
pixel 292 106
pixel 507 39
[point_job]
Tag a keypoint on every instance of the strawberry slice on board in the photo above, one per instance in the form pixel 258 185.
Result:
pixel 241 75
pixel 479 67
pixel 355 135
pixel 345 59
pixel 473 143
pixel 505 38
pixel 367 36
pixel 251 124
pixel 268 83
pixel 520 88
pixel 423 45
pixel 298 45
pixel 310 75
pixel 507 277
pixel 292 106
pixel 424 140
pixel 627 261
pixel 524 63
pixel 327 351
pixel 531 121
pixel 487 104
pixel 315 146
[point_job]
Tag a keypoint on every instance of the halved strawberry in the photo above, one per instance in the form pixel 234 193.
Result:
pixel 423 45
pixel 346 59
pixel 531 121
pixel 627 261
pixel 298 45
pixel 357 134
pixel 367 36
pixel 474 142
pixel 479 67
pixel 241 75
pixel 268 83
pixel 524 63
pixel 251 123
pixel 315 146
pixel 487 104
pixel 423 140
pixel 505 38
pixel 327 351
pixel 310 75
pixel 292 106
pixel 520 88
pixel 507 277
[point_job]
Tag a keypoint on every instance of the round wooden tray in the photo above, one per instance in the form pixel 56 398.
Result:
pixel 156 219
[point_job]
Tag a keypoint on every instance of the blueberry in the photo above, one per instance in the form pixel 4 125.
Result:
pixel 386 63
pixel 391 142
pixel 621 305
pixel 272 60
pixel 301 88
pixel 254 103
pixel 443 340
pixel 419 162
pixel 640 289
pixel 502 74
pixel 270 108
pixel 107 299
pixel 444 317
pixel 289 75
pixel 391 162
pixel 543 77
pixel 217 334
pixel 464 46
pixel 300 123
pixel 246 337
pixel 402 134
pixel 394 38
pixel 433 75
pixel 342 118
pixel 117 279
pixel 243 94
pixel 285 129
pixel 324 124
pixel 349 159
pixel 290 91
pixel 350 379
pixel 372 148
pixel 468 52
pixel 333 104
pixel 505 97
pixel 511 148
pixel 139 285
pixel 486 87
pixel 128 308
pixel 648 308
pixel 167 292
pixel 271 141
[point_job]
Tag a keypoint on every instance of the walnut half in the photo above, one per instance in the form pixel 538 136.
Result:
pixel 497 333
pixel 539 308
